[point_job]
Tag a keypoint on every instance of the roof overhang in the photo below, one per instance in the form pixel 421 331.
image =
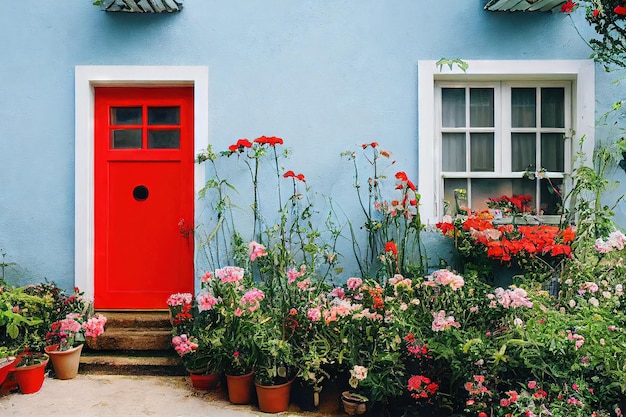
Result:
pixel 524 5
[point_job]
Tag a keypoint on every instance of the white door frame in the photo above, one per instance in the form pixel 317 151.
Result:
pixel 86 79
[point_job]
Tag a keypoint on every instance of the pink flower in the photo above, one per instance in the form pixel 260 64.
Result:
pixel 206 301
pixel 314 314
pixel 230 274
pixel 94 327
pixel 207 276
pixel 532 384
pixel 293 274
pixel 354 283
pixel 179 299
pixel 255 250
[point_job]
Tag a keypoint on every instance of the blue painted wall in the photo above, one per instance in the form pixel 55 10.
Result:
pixel 326 75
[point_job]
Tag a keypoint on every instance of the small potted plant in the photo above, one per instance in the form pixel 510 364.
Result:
pixel 30 371
pixel 67 336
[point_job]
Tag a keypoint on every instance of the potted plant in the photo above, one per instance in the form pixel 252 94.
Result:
pixel 30 371
pixel 67 336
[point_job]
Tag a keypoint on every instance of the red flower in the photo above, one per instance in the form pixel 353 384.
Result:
pixel 272 140
pixel 391 247
pixel 291 174
pixel 596 12
pixel 373 145
pixel 569 7
pixel 620 10
pixel 401 175
pixel 240 145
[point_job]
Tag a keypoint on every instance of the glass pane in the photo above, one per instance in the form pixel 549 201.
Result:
pixel 553 152
pixel 523 151
pixel 481 152
pixel 523 107
pixel 484 189
pixel 552 107
pixel 125 116
pixel 126 139
pixel 163 115
pixel 453 107
pixel 449 185
pixel 551 196
pixel 163 139
pixel 453 152
pixel 481 107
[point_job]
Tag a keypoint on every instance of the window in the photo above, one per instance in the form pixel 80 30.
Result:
pixel 492 134
pixel 488 130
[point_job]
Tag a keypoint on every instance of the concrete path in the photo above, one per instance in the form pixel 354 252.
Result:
pixel 127 396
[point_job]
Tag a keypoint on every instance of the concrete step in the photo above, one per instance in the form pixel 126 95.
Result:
pixel 133 343
pixel 131 363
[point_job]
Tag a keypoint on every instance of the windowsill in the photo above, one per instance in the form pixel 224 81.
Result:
pixel 529 219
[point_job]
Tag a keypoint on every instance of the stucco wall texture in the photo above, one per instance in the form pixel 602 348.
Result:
pixel 325 75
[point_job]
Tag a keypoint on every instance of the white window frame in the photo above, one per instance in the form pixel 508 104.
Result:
pixel 581 73
pixel 86 78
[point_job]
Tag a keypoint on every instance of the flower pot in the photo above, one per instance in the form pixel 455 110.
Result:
pixel 240 388
pixel 6 367
pixel 204 381
pixel 353 405
pixel 64 362
pixel 273 398
pixel 30 378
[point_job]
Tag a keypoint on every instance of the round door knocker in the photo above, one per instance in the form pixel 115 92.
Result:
pixel 140 193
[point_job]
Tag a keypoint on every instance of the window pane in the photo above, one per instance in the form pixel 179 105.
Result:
pixel 125 116
pixel 163 139
pixel 481 152
pixel 453 152
pixel 553 152
pixel 523 107
pixel 523 151
pixel 126 139
pixel 163 115
pixel 483 189
pixel 481 107
pixel 453 107
pixel 552 107
pixel 551 196
pixel 449 185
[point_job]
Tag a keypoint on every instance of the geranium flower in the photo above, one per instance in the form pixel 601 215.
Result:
pixel 621 10
pixel 272 140
pixel 569 7
pixel 240 146
pixel 255 250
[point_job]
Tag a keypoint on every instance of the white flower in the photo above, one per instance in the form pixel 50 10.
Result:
pixel 572 303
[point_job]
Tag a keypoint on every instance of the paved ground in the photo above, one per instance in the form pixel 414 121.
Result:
pixel 129 396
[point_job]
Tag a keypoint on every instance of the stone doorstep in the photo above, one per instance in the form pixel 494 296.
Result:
pixel 132 339
pixel 137 319
pixel 131 363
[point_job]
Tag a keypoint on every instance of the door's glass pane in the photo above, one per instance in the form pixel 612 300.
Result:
pixel 481 107
pixel 125 116
pixel 449 202
pixel 552 107
pixel 523 107
pixel 523 151
pixel 164 139
pixel 453 152
pixel 551 196
pixel 553 152
pixel 453 107
pixel 163 115
pixel 126 139
pixel 481 152
pixel 484 189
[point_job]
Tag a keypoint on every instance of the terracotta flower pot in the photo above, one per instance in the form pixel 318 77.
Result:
pixel 30 378
pixel 240 388
pixel 204 381
pixel 66 362
pixel 273 398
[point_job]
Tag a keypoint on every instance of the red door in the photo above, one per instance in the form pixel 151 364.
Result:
pixel 144 196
